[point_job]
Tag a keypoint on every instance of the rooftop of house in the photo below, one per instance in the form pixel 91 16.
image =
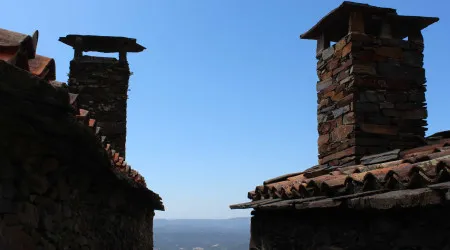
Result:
pixel 416 176
pixel 19 50
pixel 408 178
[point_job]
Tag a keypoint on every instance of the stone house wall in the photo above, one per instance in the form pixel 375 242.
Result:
pixel 56 188
pixel 405 229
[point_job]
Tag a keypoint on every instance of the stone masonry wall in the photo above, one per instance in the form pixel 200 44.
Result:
pixel 104 80
pixel 406 229
pixel 371 97
pixel 56 191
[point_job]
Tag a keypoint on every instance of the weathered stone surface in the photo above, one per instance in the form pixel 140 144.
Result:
pixel 327 53
pixel 341 132
pixel 327 109
pixel 379 129
pixel 362 69
pixel 343 66
pixel 346 100
pixel 415 114
pixel 367 107
pixel 416 96
pixel 337 96
pixel 370 96
pixel 413 58
pixel 334 229
pixel 340 111
pixel 323 103
pixel 340 45
pixel 326 75
pixel 343 75
pixel 321 118
pixel 324 84
pixel 396 97
pixel 347 152
pixel 390 52
pixel 323 139
pixel 367 56
pixel 347 49
pixel 387 105
pixel 332 64
pixel 327 126
pixel 348 118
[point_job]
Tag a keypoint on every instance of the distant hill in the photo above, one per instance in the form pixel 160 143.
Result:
pixel 209 234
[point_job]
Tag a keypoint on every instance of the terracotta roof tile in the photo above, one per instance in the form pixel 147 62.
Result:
pixel 14 46
pixel 14 42
pixel 117 161
pixel 7 55
pixel 10 38
pixel 43 67
pixel 411 169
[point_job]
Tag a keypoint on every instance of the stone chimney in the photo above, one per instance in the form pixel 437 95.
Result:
pixel 371 88
pixel 102 82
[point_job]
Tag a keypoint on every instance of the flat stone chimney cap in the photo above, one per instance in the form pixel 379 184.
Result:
pixel 335 25
pixel 105 44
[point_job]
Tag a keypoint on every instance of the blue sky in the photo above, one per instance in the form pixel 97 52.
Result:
pixel 224 96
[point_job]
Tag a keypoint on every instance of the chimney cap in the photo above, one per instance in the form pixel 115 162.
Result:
pixel 105 44
pixel 335 24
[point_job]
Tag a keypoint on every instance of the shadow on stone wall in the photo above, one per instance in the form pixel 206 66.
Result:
pixel 407 229
pixel 56 188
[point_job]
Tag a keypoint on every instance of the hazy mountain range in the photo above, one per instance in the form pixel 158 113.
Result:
pixel 209 234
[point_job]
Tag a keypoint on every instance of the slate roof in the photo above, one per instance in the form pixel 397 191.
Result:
pixel 14 45
pixel 405 178
pixel 335 23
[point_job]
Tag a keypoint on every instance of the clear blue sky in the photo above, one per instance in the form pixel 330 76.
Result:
pixel 224 96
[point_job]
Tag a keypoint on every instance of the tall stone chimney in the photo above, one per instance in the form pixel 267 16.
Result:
pixel 102 82
pixel 371 88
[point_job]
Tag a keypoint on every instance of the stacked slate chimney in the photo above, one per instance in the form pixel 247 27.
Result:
pixel 102 82
pixel 371 89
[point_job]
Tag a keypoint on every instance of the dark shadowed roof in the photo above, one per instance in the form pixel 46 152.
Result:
pixel 106 44
pixel 392 178
pixel 15 45
pixel 335 23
